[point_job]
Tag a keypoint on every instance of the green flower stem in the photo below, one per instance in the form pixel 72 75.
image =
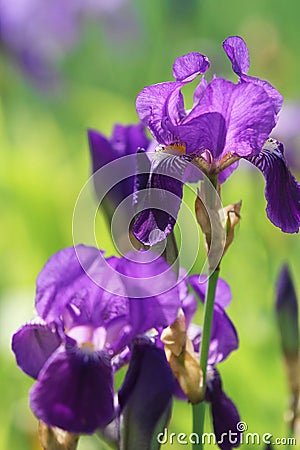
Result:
pixel 198 423
pixel 199 409
pixel 207 322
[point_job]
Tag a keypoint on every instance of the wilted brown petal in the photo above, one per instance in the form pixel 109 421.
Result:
pixel 232 213
pixel 56 439
pixel 183 360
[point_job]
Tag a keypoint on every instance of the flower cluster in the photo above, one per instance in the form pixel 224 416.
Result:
pixel 98 314
pixel 90 324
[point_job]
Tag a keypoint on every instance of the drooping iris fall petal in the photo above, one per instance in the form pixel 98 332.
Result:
pixel 282 189
pixel 74 391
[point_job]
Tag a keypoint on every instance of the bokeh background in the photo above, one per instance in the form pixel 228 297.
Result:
pixel 63 71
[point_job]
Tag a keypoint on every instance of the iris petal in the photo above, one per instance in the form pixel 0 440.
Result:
pixel 125 140
pixel 232 118
pixel 160 201
pixel 223 293
pixel 282 189
pixel 224 339
pixel 78 276
pixel 33 344
pixel 74 391
pixel 151 286
pixel 145 396
pixel 237 51
pixel 187 67
pixel 224 414
pixel 154 112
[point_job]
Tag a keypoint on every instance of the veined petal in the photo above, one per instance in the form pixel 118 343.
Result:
pixel 199 90
pixel 59 279
pixel 242 117
pixel 223 293
pixel 33 344
pixel 74 391
pixel 154 112
pixel 187 67
pixel 80 278
pixel 224 414
pixel 204 132
pixel 274 95
pixel 153 224
pixel 282 189
pixel 159 203
pixel 237 51
pixel 161 107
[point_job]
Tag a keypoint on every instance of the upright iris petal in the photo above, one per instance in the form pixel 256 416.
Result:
pixel 229 118
pixel 160 107
pixel 65 274
pixel 187 67
pixel 237 51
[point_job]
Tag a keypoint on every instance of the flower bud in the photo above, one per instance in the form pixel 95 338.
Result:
pixel 287 319
pixel 287 312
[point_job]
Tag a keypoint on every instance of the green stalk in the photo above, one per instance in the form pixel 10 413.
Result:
pixel 207 322
pixel 199 409
pixel 198 423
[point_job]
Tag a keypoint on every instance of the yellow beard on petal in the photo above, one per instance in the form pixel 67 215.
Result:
pixel 87 346
pixel 178 149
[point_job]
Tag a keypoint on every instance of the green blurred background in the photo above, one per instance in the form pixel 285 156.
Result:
pixel 45 162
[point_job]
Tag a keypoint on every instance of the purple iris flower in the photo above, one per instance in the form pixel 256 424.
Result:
pixel 90 309
pixel 226 123
pixel 223 341
pixel 125 140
